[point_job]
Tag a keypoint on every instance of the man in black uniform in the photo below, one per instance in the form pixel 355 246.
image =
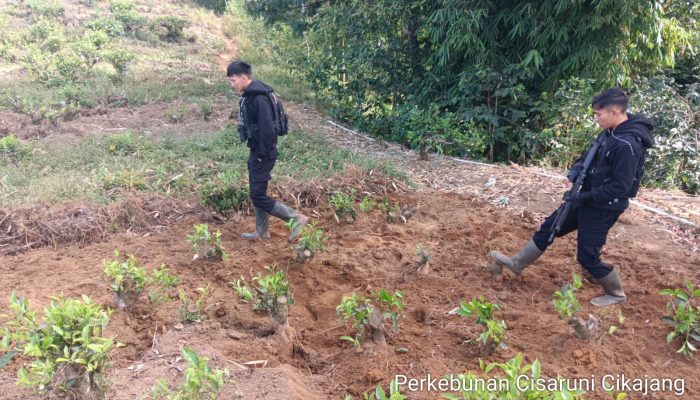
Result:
pixel 256 127
pixel 614 177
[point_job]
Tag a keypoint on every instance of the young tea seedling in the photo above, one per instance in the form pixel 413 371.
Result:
pixel 206 244
pixel 273 294
pixel 363 314
pixel 343 208
pixel 194 311
pixel 494 332
pixel 162 285
pixel 242 289
pixel 201 381
pixel 565 302
pixel 683 314
pixel 127 280
pixel 66 351
pixel 367 204
pixel 423 258
pixel 311 241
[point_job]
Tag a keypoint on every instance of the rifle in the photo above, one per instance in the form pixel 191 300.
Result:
pixel 564 209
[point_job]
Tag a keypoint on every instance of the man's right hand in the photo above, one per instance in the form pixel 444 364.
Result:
pixel 574 172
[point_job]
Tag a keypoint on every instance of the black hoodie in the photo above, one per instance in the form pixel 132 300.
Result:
pixel 618 167
pixel 258 120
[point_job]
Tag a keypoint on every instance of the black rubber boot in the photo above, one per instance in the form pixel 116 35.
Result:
pixel 526 256
pixel 262 222
pixel 613 291
pixel 286 213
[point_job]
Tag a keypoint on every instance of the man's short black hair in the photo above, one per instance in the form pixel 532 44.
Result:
pixel 239 67
pixel 611 97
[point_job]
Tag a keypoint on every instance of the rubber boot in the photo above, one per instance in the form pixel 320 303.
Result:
pixel 613 291
pixel 262 222
pixel 526 256
pixel 286 213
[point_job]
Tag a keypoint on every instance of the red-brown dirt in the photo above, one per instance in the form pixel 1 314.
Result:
pixel 366 256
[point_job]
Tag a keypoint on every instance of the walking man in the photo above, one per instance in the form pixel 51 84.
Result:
pixel 257 128
pixel 614 177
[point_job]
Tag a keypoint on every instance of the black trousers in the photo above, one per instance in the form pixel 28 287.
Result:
pixel 259 173
pixel 593 225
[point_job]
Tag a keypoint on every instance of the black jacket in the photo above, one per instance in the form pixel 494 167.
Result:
pixel 256 106
pixel 618 167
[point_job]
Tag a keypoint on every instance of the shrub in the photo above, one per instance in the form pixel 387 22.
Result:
pixel 565 302
pixel 67 351
pixel 223 193
pixel 169 28
pixel 46 8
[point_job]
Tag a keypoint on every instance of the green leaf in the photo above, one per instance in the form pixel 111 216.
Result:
pixel 7 357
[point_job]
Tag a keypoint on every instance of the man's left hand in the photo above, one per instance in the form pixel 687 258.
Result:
pixel 577 198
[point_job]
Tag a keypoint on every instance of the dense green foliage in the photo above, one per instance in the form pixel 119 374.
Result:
pixel 499 80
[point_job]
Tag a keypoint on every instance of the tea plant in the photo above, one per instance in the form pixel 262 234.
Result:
pixel 393 213
pixel 356 309
pixel 194 311
pixel 565 302
pixel 683 314
pixel 162 285
pixel 511 371
pixel 242 290
pixel 367 204
pixel 343 207
pixel 494 332
pixel 311 241
pixel 127 280
pixel 206 244
pixel 201 381
pixel 67 351
pixel 269 292
pixel 380 394
pixel 363 313
pixel 423 256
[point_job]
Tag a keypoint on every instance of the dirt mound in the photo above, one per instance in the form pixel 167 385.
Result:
pixel 459 230
pixel 80 224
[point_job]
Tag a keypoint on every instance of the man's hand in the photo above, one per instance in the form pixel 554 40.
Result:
pixel 577 198
pixel 574 172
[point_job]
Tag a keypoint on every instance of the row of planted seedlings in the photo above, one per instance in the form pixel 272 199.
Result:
pixel 66 351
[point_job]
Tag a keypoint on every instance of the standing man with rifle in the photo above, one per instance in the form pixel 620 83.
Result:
pixel 605 178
